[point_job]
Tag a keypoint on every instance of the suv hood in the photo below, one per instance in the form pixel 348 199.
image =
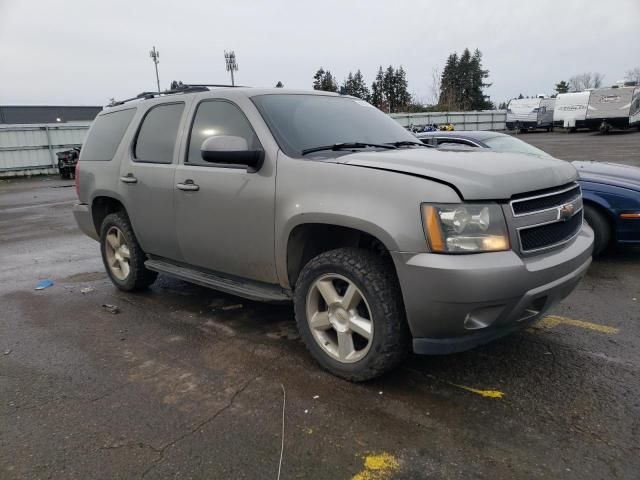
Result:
pixel 624 176
pixel 477 174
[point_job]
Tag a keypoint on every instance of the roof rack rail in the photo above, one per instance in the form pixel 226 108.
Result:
pixel 183 88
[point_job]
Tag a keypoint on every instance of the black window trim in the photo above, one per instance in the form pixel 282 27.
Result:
pixel 192 122
pixel 457 140
pixel 134 142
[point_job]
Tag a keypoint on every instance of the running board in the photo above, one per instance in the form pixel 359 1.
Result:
pixel 261 292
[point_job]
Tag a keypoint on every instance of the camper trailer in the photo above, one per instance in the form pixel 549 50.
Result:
pixel 570 111
pixel 634 111
pixel 609 107
pixel 530 113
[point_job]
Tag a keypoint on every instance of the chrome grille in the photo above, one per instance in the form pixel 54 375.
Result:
pixel 545 201
pixel 547 219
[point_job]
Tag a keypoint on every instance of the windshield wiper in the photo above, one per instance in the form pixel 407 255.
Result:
pixel 404 143
pixel 347 145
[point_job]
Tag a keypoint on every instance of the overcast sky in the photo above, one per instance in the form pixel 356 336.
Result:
pixel 82 52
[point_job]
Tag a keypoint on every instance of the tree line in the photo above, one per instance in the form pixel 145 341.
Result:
pixel 460 87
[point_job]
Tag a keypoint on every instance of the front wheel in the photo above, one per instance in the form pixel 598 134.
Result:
pixel 121 254
pixel 350 313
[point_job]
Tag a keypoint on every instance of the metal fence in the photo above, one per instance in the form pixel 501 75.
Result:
pixel 31 149
pixel 482 120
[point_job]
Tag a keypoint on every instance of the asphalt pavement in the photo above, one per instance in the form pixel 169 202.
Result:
pixel 186 382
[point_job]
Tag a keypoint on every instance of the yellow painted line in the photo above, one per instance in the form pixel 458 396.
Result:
pixel 378 467
pixel 552 321
pixel 484 393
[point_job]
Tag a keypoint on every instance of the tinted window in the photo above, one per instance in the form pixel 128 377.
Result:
pixel 299 122
pixel 157 136
pixel 106 135
pixel 218 118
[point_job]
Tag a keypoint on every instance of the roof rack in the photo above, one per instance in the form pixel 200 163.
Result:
pixel 184 88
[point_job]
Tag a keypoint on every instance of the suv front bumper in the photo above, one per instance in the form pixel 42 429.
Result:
pixel 456 302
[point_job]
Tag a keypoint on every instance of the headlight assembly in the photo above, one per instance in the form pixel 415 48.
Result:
pixel 465 228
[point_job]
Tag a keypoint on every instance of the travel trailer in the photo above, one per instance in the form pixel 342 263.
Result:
pixel 634 111
pixel 571 110
pixel 609 107
pixel 530 113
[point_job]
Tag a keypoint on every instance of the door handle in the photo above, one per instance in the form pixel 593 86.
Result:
pixel 129 178
pixel 188 186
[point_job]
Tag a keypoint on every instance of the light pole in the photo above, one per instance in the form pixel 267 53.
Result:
pixel 232 66
pixel 155 55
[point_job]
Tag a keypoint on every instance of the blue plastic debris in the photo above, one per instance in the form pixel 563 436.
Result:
pixel 42 284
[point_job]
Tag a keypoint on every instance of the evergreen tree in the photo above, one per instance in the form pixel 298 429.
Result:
pixel 279 84
pixel 463 83
pixel 388 88
pixel 562 87
pixel 317 79
pixel 402 97
pixel 377 95
pixel 360 88
pixel 323 80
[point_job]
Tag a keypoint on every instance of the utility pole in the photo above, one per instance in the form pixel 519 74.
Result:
pixel 232 66
pixel 155 55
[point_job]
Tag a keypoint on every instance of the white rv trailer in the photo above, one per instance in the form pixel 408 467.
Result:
pixel 530 113
pixel 609 107
pixel 571 110
pixel 634 110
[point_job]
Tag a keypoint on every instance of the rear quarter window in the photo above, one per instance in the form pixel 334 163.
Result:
pixel 106 134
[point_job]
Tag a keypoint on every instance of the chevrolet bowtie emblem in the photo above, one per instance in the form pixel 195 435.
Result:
pixel 566 211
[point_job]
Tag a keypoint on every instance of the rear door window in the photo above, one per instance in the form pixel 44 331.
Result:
pixel 157 136
pixel 106 134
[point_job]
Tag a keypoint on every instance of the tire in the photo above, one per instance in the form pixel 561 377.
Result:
pixel 64 175
pixel 134 276
pixel 601 229
pixel 375 281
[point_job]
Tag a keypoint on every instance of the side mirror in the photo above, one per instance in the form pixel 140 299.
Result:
pixel 232 152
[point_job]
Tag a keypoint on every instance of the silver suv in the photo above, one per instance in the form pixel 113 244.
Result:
pixel 382 243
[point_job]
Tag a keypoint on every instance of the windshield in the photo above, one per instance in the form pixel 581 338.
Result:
pixel 303 122
pixel 509 144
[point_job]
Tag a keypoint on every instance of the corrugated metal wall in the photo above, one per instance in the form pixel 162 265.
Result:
pixel 34 147
pixel 483 120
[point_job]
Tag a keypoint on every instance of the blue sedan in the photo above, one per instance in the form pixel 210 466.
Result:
pixel 611 192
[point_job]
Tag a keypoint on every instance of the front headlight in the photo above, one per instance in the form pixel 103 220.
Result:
pixel 465 228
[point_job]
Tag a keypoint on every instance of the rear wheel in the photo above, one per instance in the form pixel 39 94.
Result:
pixel 121 254
pixel 601 228
pixel 350 313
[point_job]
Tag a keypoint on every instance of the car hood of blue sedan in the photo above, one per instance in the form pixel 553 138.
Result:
pixel 624 176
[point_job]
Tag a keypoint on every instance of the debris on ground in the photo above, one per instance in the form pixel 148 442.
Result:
pixel 42 284
pixel 111 308
pixel 87 290
pixel 216 303
pixel 315 397
pixel 237 306
pixel 7 352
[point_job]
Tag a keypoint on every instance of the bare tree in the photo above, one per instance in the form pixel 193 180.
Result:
pixel 633 75
pixel 580 82
pixel 434 89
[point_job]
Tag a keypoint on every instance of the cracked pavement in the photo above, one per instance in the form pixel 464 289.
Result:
pixel 176 387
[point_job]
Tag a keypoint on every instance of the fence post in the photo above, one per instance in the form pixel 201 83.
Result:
pixel 53 162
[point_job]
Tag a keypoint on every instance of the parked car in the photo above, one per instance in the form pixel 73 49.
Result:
pixel 67 160
pixel 382 245
pixel 611 192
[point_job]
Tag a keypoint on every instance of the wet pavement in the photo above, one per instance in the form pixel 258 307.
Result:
pixel 186 382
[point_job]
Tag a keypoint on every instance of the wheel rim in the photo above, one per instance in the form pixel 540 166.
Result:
pixel 339 318
pixel 117 252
